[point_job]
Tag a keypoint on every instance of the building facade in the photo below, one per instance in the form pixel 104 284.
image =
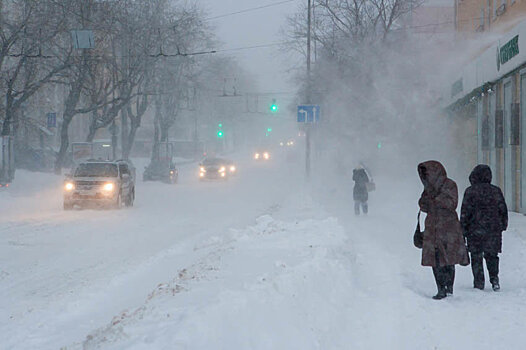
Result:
pixel 482 16
pixel 489 97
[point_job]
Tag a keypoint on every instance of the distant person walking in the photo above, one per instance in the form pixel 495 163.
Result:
pixel 484 216
pixel 443 245
pixel 360 193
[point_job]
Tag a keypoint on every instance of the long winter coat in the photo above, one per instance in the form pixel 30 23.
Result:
pixel 443 233
pixel 484 214
pixel 360 179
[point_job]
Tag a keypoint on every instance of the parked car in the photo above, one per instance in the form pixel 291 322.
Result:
pixel 161 171
pixel 101 183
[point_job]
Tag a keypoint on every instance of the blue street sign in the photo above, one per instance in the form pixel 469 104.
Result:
pixel 309 113
pixel 52 120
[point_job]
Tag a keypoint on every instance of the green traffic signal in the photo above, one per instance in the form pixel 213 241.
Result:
pixel 269 129
pixel 274 106
pixel 220 133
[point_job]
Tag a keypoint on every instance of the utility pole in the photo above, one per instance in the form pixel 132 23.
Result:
pixel 307 125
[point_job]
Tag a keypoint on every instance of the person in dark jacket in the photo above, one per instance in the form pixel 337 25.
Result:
pixel 484 216
pixel 443 244
pixel 360 194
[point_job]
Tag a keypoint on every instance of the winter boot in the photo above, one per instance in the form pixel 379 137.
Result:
pixel 495 284
pixel 492 262
pixel 441 294
pixel 449 290
pixel 478 285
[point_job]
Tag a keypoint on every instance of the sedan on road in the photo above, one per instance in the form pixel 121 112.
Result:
pixel 262 155
pixel 214 169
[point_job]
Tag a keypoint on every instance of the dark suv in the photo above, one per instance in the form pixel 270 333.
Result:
pixel 108 184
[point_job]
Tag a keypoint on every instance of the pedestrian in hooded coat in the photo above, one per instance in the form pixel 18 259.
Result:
pixel 360 194
pixel 484 216
pixel 443 244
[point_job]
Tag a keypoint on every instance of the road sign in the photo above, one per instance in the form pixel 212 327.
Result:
pixel 309 113
pixel 83 39
pixel 51 120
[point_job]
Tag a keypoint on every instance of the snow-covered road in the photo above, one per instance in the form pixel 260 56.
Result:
pixel 65 273
pixel 259 262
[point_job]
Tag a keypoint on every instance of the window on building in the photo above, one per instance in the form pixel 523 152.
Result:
pixel 481 21
pixel 495 5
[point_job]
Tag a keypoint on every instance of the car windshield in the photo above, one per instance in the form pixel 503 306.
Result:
pixel 96 170
pixel 213 162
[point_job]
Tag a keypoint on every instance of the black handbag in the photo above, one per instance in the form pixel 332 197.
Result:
pixel 418 237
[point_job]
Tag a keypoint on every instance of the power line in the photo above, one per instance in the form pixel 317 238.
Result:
pixel 254 46
pixel 249 10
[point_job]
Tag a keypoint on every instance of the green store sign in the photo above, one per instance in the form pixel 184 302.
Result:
pixel 507 51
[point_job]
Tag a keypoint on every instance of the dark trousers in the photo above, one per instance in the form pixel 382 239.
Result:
pixel 492 264
pixel 358 204
pixel 444 276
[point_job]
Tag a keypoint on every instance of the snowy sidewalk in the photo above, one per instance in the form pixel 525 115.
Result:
pixel 392 293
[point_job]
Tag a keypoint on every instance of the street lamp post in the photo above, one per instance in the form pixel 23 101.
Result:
pixel 307 126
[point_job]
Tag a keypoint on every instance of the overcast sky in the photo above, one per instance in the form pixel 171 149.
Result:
pixel 267 65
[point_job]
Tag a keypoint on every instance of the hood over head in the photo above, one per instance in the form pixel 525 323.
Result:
pixel 480 174
pixel 432 174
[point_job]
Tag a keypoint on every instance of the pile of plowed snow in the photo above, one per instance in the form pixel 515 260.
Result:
pixel 271 285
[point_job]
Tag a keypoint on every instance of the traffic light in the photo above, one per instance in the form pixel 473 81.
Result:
pixel 269 129
pixel 274 106
pixel 220 133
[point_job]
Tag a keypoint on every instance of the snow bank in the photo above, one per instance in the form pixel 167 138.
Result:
pixel 273 285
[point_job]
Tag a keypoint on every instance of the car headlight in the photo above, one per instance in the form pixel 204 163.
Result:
pixel 69 186
pixel 201 174
pixel 232 168
pixel 203 170
pixel 266 155
pixel 108 186
pixel 171 172
pixel 256 156
pixel 222 169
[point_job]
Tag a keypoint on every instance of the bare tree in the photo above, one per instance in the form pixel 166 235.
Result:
pixel 29 34
pixel 87 69
pixel 184 33
pixel 365 70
